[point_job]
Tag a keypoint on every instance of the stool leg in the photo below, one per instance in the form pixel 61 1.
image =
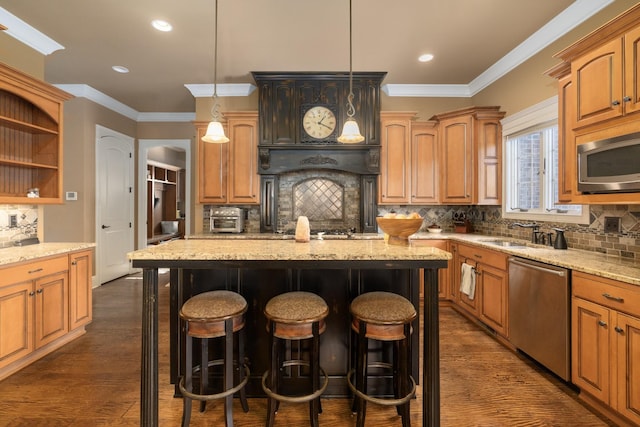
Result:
pixel 314 405
pixel 188 373
pixel 397 379
pixel 361 368
pixel 241 361
pixel 228 371
pixel 404 359
pixel 272 377
pixel 204 370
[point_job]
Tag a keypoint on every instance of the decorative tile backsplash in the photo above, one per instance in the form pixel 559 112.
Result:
pixel 17 222
pixel 590 237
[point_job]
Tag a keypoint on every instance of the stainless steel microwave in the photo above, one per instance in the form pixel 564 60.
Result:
pixel 610 165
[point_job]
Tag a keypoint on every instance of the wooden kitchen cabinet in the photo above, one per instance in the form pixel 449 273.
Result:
pixel 608 80
pixel 31 113
pixel 605 341
pixel 408 160
pixel 395 158
pixel 45 304
pixel 491 299
pixel 566 143
pixel 470 159
pixel 33 307
pixel 228 173
pixel 424 163
pixel 80 289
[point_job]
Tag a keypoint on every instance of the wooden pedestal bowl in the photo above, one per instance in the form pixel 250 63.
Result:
pixel 399 229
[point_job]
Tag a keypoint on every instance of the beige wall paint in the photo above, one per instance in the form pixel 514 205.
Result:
pixel 20 56
pixel 74 221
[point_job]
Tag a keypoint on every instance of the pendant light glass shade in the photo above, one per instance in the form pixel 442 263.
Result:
pixel 350 133
pixel 215 133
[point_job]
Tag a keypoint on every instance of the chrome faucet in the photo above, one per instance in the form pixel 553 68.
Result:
pixel 535 230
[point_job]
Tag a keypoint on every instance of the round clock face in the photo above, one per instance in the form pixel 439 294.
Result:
pixel 319 122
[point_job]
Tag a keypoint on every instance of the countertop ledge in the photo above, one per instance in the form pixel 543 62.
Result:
pixel 597 264
pixel 19 254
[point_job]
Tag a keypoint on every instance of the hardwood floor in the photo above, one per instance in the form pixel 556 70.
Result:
pixel 94 381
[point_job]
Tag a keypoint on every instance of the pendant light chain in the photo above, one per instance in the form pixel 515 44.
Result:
pixel 351 111
pixel 215 109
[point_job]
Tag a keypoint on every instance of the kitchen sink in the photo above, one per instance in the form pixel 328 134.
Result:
pixel 505 243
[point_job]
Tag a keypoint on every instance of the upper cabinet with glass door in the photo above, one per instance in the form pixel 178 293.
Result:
pixel 30 139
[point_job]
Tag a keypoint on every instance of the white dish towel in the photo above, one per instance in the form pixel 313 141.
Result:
pixel 468 280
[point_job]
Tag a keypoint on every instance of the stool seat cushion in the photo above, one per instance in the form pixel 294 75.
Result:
pixel 212 306
pixel 383 308
pixel 296 307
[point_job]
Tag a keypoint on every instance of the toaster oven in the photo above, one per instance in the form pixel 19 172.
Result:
pixel 226 220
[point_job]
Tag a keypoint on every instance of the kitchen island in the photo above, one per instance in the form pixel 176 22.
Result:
pixel 354 261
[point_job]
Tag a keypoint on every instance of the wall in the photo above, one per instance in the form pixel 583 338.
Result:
pixel 21 57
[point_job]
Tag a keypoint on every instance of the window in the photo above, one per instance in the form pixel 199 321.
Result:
pixel 531 167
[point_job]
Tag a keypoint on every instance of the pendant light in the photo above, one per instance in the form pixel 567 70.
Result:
pixel 215 131
pixel 350 131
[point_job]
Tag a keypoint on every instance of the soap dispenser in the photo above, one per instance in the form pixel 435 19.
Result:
pixel 560 242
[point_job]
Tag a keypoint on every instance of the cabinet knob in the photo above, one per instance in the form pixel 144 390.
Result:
pixel 602 323
pixel 39 291
pixel 619 329
pixel 615 103
pixel 74 263
pixel 626 99
pixel 31 293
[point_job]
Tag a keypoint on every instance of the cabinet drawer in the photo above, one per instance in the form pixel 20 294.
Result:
pixel 485 256
pixel 609 293
pixel 35 269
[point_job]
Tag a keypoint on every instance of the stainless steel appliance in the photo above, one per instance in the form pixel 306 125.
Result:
pixel 610 165
pixel 226 220
pixel 539 313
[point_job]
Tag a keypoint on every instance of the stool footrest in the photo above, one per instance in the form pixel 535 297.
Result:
pixel 378 400
pixel 220 395
pixel 295 399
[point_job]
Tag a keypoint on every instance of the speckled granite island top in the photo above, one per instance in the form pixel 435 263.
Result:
pixel 286 250
pixel 28 253
pixel 598 264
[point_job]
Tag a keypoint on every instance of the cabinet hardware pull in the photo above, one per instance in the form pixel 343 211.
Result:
pixel 31 293
pixel 105 226
pixel 602 323
pixel 619 329
pixel 611 297
pixel 626 99
pixel 39 291
pixel 37 270
pixel 615 103
pixel 73 263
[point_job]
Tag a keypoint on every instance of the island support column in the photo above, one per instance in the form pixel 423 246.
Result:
pixel 431 351
pixel 149 373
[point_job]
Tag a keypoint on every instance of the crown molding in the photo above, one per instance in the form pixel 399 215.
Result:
pixel 426 90
pixel 224 89
pixel 86 91
pixel 26 34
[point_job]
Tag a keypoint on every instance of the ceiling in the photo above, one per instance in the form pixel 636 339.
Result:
pixel 469 39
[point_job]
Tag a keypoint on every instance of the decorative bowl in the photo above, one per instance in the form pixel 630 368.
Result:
pixel 434 230
pixel 399 229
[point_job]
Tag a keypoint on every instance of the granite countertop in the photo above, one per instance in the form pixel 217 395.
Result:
pixel 594 263
pixel 286 249
pixel 28 253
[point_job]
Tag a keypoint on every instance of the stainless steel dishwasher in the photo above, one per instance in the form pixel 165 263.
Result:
pixel 539 313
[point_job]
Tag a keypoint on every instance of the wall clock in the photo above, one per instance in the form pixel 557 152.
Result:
pixel 318 123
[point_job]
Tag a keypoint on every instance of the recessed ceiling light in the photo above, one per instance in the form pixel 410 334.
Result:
pixel 120 69
pixel 161 25
pixel 425 58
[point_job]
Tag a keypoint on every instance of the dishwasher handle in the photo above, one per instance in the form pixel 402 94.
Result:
pixel 538 267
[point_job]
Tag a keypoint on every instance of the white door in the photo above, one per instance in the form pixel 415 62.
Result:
pixel 114 204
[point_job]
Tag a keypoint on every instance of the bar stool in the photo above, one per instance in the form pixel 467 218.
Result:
pixel 214 314
pixel 382 316
pixel 294 316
